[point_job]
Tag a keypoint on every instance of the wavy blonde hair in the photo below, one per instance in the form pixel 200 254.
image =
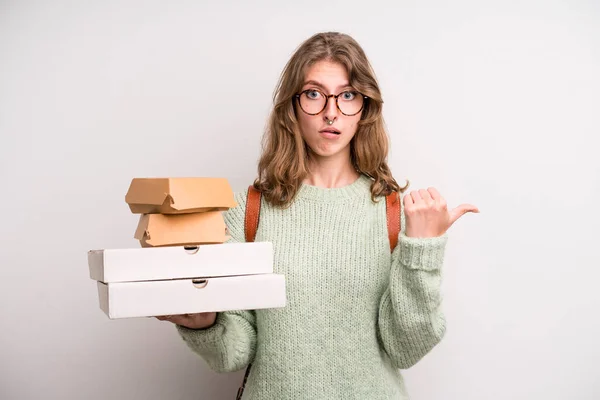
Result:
pixel 283 163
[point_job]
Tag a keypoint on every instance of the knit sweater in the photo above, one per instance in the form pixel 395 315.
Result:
pixel 356 313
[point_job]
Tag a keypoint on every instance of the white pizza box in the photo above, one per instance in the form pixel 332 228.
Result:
pixel 178 262
pixel 186 296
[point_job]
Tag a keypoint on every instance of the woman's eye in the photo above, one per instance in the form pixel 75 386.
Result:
pixel 348 95
pixel 313 94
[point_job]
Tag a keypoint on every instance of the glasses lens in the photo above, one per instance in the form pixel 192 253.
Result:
pixel 350 102
pixel 312 101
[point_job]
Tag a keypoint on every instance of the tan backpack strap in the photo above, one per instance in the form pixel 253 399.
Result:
pixel 252 213
pixel 392 204
pixel 250 227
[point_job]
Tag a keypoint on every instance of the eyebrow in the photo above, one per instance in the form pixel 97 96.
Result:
pixel 315 83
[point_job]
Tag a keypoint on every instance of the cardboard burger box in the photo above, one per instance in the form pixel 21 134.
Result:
pixel 181 229
pixel 184 265
pixel 180 211
pixel 179 195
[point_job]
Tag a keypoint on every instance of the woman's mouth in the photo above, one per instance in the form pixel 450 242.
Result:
pixel 330 132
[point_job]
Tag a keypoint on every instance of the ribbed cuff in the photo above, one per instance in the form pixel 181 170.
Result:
pixel 203 337
pixel 422 253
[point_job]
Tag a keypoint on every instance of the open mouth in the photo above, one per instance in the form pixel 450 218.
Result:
pixel 330 131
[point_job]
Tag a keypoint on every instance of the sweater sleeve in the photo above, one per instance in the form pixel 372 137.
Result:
pixel 411 322
pixel 230 344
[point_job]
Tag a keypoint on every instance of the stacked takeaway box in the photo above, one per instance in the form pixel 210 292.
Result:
pixel 186 263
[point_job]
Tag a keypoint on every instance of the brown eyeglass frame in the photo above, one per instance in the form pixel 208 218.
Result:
pixel 327 97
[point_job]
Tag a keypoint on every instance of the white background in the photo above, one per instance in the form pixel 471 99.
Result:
pixel 493 103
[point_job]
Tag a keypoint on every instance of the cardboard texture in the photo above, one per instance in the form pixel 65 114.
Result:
pixel 181 229
pixel 184 265
pixel 183 296
pixel 161 263
pixel 179 195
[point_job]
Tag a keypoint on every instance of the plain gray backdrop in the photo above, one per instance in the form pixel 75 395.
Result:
pixel 494 103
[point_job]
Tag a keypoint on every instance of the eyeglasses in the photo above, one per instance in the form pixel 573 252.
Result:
pixel 313 101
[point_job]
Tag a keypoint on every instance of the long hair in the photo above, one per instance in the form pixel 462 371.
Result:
pixel 283 163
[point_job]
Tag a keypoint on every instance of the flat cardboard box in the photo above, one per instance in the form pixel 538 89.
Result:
pixel 183 296
pixel 181 229
pixel 179 195
pixel 179 262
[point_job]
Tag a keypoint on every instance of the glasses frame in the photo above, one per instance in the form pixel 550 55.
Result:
pixel 327 97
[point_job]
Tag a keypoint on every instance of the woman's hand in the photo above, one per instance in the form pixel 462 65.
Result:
pixel 192 321
pixel 427 214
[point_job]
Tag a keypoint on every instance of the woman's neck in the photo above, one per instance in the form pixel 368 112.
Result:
pixel 331 172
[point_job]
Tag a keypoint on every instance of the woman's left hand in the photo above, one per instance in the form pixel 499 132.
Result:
pixel 427 214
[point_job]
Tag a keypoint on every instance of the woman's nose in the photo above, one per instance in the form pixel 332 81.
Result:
pixel 331 112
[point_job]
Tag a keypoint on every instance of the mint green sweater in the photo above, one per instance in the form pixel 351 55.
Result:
pixel 356 313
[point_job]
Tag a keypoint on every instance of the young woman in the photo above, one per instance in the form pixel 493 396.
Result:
pixel 356 312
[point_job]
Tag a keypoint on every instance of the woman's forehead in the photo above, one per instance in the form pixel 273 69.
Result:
pixel 329 75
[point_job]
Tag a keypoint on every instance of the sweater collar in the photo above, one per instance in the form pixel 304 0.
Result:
pixel 359 187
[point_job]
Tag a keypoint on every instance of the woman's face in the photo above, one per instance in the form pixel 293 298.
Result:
pixel 328 140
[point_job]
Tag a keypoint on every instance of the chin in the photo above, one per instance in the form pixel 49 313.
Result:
pixel 326 153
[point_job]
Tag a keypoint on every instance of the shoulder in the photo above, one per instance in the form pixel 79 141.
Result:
pixel 235 216
pixel 240 197
pixel 396 200
pixel 241 200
